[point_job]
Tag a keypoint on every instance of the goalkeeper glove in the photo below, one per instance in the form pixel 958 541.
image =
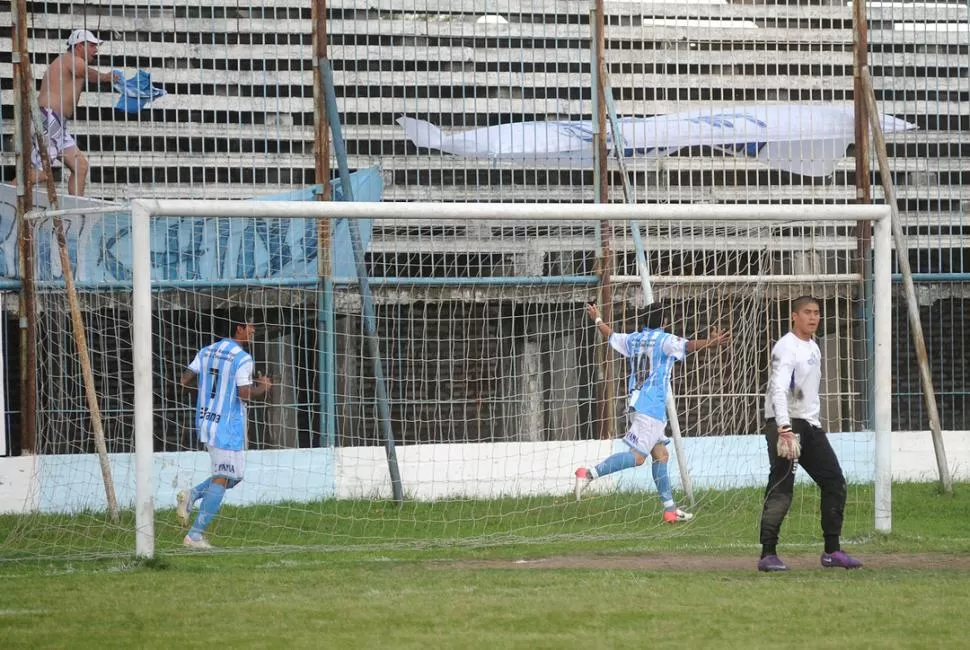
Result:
pixel 788 445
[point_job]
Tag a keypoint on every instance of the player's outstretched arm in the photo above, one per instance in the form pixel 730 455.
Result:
pixel 94 76
pixel 717 338
pixel 594 315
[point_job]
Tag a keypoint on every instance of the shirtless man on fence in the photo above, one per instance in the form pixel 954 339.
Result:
pixel 60 92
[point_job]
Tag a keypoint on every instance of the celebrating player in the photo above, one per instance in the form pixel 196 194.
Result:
pixel 223 374
pixel 794 435
pixel 651 353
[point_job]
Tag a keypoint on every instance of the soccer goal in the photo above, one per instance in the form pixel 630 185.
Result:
pixel 436 379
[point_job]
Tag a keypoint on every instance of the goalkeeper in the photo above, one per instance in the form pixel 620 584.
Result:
pixel 794 435
pixel 651 354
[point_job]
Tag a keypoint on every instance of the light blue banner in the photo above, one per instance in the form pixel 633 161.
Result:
pixel 191 248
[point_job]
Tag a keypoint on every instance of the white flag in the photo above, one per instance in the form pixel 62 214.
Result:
pixel 799 138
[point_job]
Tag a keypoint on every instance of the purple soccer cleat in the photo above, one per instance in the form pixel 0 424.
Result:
pixel 840 560
pixel 771 564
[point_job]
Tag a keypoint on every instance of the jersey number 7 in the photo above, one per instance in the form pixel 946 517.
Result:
pixel 215 382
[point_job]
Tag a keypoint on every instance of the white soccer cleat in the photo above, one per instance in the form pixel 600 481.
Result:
pixel 583 478
pixel 183 507
pixel 200 544
pixel 676 516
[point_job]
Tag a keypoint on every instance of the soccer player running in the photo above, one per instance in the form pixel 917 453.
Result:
pixel 651 354
pixel 794 435
pixel 223 374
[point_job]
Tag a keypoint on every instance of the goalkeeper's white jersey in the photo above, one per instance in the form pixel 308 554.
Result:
pixel 796 373
pixel 220 415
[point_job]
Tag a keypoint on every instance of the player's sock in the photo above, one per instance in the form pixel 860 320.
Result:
pixel 211 501
pixel 662 481
pixel 769 549
pixel 616 463
pixel 198 491
pixel 832 544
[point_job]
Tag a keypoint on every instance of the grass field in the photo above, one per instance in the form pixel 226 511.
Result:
pixel 513 578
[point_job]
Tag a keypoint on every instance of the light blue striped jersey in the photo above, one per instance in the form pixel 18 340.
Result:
pixel 220 415
pixel 651 354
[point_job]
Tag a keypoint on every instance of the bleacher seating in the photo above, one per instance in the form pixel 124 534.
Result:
pixel 237 121
pixel 238 118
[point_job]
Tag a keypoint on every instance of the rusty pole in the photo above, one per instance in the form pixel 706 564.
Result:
pixel 321 158
pixel 28 313
pixel 602 190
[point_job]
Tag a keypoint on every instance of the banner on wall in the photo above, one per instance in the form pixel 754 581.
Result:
pixel 187 248
pixel 799 138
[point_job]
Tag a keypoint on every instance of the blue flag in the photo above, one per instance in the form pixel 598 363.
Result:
pixel 137 92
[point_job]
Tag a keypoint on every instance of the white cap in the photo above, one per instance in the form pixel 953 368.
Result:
pixel 82 36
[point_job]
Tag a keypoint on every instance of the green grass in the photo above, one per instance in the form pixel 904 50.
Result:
pixel 314 603
pixel 726 522
pixel 367 575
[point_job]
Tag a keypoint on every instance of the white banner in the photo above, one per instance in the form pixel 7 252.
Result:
pixel 799 138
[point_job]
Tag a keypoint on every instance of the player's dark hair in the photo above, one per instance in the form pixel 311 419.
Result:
pixel 238 318
pixel 804 301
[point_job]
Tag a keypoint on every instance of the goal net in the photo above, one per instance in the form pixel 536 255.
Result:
pixel 447 395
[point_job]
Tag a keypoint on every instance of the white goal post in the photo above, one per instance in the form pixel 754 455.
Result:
pixel 142 211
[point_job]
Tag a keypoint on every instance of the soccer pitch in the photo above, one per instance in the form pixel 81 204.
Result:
pixel 692 585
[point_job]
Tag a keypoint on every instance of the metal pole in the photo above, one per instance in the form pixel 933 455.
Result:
pixel 912 307
pixel 366 299
pixel 601 189
pixel 27 303
pixel 321 135
pixel 326 321
pixel 863 183
pixel 330 93
pixel 860 59
pixel 3 383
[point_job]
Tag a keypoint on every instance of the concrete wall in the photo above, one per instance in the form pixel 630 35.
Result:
pixel 443 471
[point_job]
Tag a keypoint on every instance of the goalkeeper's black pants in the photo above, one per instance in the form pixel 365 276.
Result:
pixel 819 460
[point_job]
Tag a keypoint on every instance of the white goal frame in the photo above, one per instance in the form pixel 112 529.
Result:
pixel 143 210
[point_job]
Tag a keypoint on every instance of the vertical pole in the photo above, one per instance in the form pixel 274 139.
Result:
pixel 141 346
pixel 3 380
pixel 912 307
pixel 27 306
pixel 882 420
pixel 863 184
pixel 327 352
pixel 321 126
pixel 326 346
pixel 601 189
pixel 599 103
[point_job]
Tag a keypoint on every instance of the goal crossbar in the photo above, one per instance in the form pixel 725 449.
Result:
pixel 524 211
pixel 143 210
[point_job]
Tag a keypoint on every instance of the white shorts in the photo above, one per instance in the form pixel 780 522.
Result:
pixel 59 139
pixel 644 433
pixel 228 463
